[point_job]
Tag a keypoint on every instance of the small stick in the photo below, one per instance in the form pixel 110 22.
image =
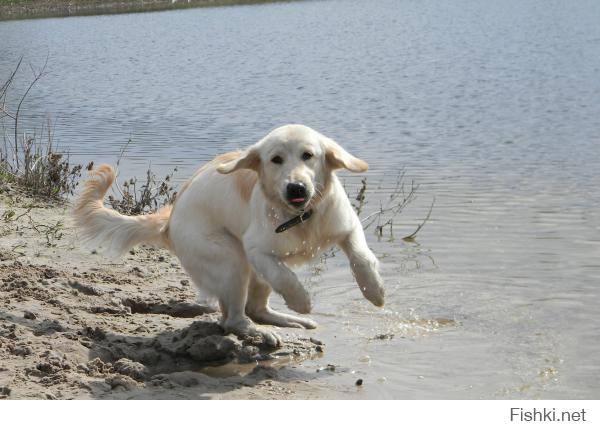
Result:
pixel 412 236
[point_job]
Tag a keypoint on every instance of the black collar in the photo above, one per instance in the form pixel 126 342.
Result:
pixel 294 221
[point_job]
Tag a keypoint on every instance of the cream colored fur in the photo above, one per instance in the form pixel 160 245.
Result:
pixel 222 227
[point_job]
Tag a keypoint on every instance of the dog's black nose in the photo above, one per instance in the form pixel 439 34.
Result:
pixel 296 193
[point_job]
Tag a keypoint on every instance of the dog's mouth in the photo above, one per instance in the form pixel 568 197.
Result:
pixel 298 202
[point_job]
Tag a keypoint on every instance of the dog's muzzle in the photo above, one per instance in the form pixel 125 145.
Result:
pixel 296 194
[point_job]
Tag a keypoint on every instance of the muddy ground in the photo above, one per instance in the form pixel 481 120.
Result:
pixel 77 325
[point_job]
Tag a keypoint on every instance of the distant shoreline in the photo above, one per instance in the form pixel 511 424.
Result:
pixel 31 9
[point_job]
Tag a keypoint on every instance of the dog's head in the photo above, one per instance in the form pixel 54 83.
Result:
pixel 294 165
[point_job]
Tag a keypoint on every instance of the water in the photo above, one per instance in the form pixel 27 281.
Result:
pixel 492 107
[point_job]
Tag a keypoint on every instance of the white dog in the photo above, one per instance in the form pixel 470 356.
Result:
pixel 243 219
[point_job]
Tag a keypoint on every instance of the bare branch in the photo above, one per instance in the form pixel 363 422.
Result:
pixel 36 77
pixel 398 199
pixel 412 236
pixel 29 159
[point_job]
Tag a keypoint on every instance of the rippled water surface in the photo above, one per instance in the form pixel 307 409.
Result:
pixel 492 107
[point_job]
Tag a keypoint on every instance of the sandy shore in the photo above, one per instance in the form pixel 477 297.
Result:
pixel 74 324
pixel 26 9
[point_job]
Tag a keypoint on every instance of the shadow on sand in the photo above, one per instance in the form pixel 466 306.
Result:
pixel 193 362
pixel 198 361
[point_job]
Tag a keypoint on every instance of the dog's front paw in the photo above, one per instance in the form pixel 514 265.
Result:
pixel 298 300
pixel 374 294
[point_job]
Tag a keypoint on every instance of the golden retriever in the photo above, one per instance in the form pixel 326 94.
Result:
pixel 245 218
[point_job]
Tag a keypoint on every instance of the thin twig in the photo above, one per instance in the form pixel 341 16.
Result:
pixel 36 77
pixel 31 160
pixel 412 236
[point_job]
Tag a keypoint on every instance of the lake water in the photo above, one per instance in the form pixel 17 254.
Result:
pixel 492 107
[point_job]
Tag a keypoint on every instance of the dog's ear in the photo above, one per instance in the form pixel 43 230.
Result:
pixel 248 159
pixel 338 158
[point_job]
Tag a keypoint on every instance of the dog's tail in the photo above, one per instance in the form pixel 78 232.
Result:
pixel 101 226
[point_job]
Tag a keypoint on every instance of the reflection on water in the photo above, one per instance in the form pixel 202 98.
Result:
pixel 492 107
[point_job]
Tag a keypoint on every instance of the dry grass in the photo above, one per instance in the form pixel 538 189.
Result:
pixel 29 159
pixel 145 197
pixel 136 197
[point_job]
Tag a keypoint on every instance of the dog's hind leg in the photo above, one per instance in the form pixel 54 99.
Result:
pixel 221 270
pixel 258 309
pixel 237 322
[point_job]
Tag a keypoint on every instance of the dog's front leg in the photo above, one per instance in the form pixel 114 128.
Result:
pixel 281 279
pixel 364 265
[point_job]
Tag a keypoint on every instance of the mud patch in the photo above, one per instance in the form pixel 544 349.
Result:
pixel 201 344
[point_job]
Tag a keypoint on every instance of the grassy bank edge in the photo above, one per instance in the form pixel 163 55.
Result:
pixel 27 9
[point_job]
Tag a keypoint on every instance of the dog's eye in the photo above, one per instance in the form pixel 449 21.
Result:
pixel 277 160
pixel 307 156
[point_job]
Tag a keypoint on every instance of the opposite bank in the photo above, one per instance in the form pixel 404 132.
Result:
pixel 29 9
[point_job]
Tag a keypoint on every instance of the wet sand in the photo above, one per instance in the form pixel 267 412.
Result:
pixel 75 325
